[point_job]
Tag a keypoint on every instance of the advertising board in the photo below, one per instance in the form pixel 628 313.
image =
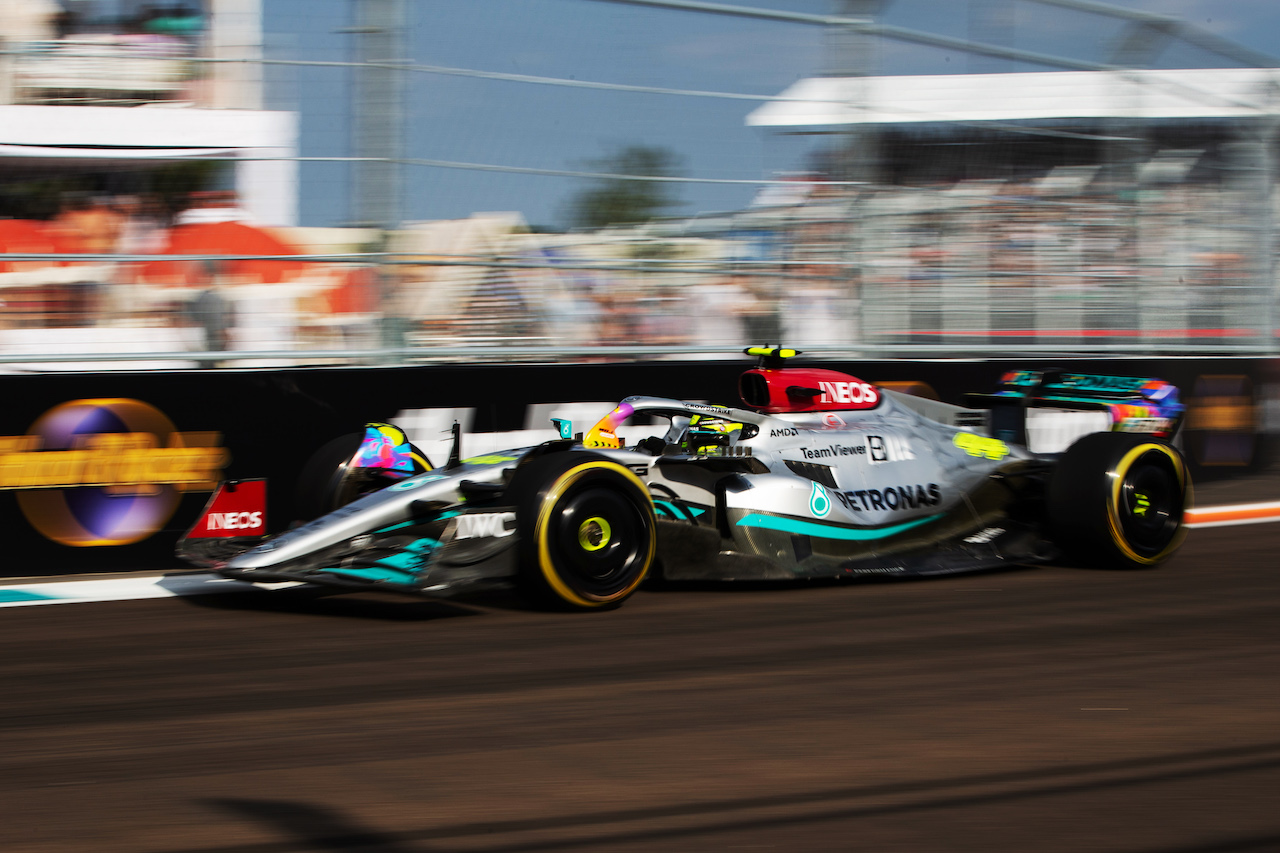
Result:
pixel 103 472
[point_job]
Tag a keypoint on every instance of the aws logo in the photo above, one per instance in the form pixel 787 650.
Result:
pixel 106 471
pixel 486 525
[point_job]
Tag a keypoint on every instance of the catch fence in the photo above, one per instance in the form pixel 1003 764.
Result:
pixel 1067 254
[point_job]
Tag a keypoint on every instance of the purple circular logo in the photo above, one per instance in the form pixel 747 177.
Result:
pixel 105 472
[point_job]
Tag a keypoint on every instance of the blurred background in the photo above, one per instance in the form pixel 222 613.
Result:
pixel 292 182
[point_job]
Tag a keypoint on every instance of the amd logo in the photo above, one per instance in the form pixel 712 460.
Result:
pixel 848 392
pixel 234 521
pixel 489 525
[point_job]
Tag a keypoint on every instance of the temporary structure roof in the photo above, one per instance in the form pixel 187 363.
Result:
pixel 56 140
pixel 1201 93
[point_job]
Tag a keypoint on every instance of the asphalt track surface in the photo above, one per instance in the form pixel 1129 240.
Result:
pixel 1049 709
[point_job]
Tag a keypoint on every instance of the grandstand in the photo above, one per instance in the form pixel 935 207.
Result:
pixel 1124 209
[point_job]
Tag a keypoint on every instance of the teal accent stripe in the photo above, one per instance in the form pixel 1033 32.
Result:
pixel 828 531
pixel 374 574
pixel 403 562
pixel 669 508
pixel 11 595
pixel 396 526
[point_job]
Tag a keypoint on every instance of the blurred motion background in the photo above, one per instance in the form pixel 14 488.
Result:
pixel 280 182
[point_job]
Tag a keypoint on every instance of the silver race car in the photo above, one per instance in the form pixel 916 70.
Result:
pixel 820 475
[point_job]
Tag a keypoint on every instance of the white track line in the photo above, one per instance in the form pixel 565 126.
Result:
pixel 122 589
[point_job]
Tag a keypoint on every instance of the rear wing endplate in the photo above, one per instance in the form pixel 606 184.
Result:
pixel 1134 404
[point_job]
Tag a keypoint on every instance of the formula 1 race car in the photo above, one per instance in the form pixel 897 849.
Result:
pixel 823 475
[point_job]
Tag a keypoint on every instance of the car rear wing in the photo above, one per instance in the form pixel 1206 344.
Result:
pixel 1047 410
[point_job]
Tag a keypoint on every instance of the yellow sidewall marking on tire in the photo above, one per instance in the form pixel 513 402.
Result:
pixel 1113 502
pixel 561 485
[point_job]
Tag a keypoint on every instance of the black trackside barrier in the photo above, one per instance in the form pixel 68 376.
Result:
pixel 85 458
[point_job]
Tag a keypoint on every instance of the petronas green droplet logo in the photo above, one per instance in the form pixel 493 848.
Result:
pixel 819 503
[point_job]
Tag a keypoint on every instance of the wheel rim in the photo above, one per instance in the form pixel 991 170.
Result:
pixel 597 540
pixel 594 534
pixel 1149 504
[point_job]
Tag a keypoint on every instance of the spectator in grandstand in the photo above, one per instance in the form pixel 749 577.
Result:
pixel 1218 280
pixel 497 309
pixel 815 313
pixel 719 307
pixel 611 316
pixel 925 285
pixel 142 232
pixel 142 229
pixel 87 225
pixel 662 319
pixel 1012 268
pixel 211 311
pixel 569 313
pixel 760 314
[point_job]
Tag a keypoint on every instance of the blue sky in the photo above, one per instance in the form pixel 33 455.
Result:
pixel 535 126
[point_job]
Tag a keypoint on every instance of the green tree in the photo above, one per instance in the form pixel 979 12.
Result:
pixel 621 200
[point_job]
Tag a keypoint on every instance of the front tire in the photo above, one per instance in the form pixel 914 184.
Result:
pixel 587 530
pixel 1118 500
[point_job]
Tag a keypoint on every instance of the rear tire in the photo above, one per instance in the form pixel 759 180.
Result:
pixel 586 528
pixel 1118 500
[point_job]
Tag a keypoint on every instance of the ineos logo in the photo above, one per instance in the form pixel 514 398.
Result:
pixel 848 392
pixel 234 521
